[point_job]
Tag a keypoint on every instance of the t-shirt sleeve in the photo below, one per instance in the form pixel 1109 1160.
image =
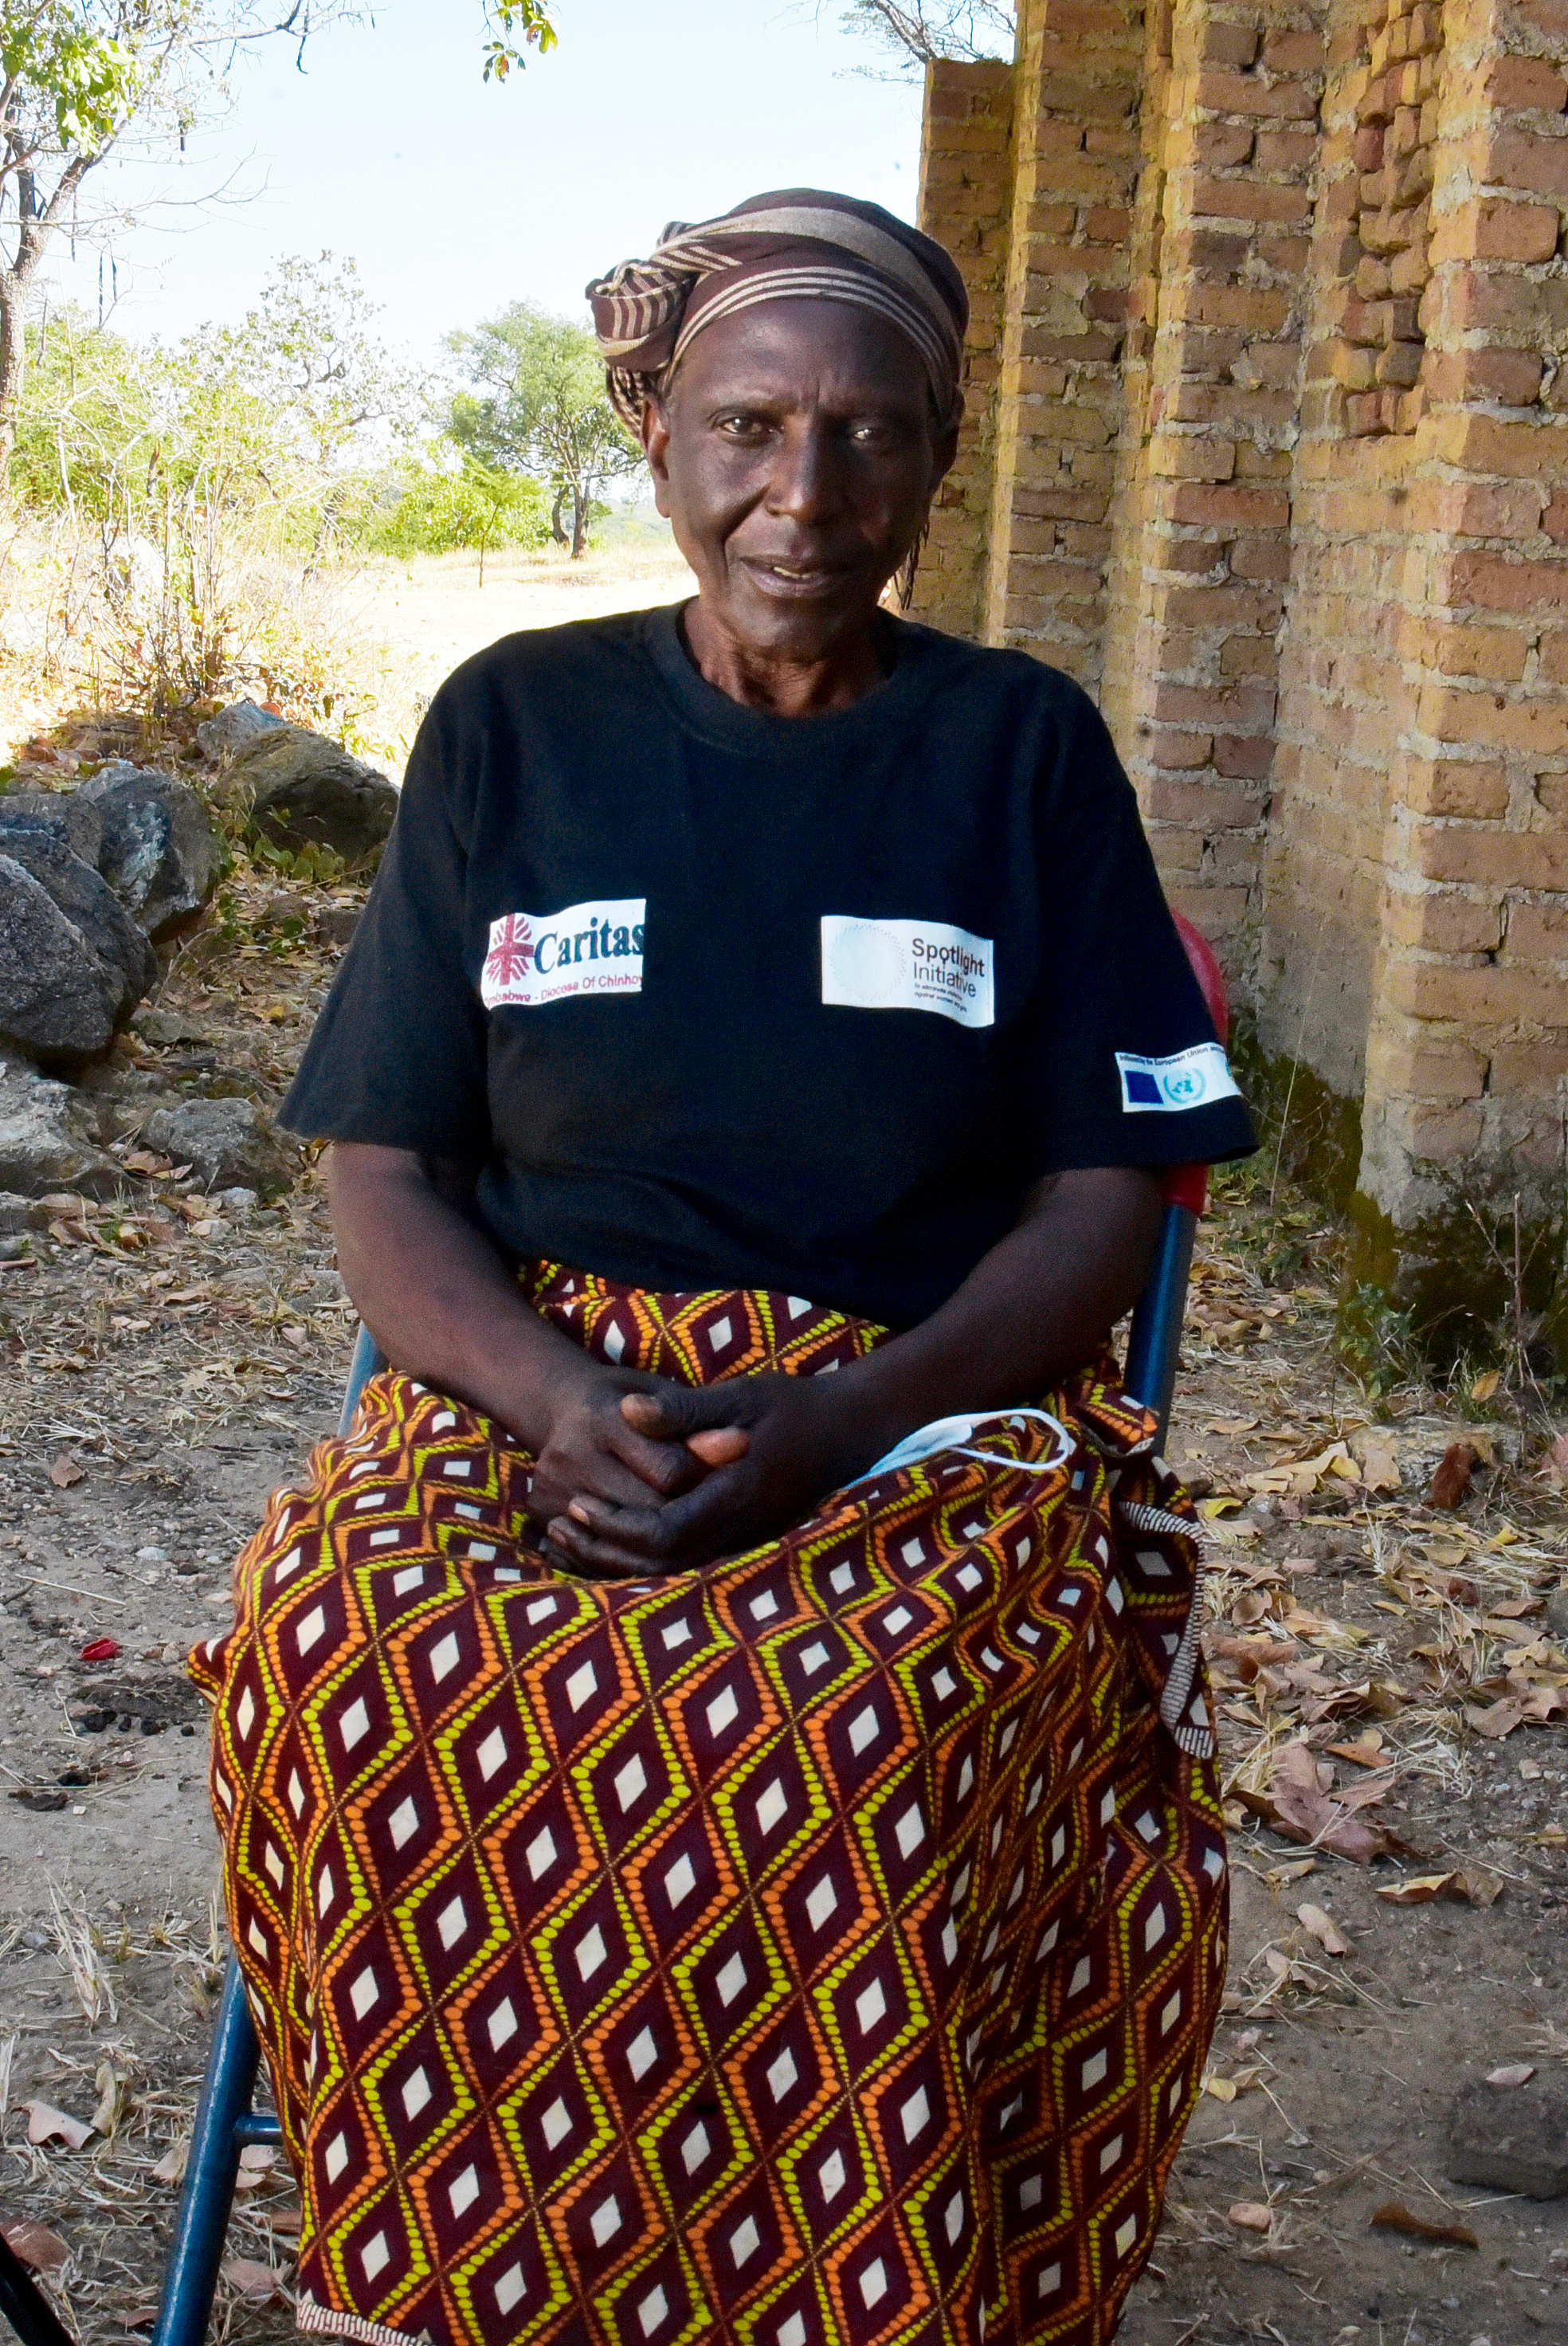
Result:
pixel 398 1054
pixel 1123 1067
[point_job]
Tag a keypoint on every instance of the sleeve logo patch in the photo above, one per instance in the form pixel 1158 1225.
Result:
pixel 538 958
pixel 1187 1080
pixel 908 965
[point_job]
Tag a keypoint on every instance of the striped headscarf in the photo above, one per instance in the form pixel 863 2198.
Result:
pixel 798 243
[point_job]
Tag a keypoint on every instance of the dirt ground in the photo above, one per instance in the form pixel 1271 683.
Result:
pixel 1387 1671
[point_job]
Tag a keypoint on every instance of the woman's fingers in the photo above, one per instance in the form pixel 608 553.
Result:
pixel 721 1445
pixel 673 1537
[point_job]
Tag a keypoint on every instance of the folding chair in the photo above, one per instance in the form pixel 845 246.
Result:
pixel 225 2118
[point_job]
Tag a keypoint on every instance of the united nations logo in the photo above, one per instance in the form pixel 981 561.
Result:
pixel 1185 1088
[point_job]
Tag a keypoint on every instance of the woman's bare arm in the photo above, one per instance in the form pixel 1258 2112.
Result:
pixel 442 1306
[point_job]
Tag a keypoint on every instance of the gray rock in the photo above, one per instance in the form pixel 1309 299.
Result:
pixel 227 1143
pixel 21 1214
pixel 301 790
pixel 57 999
pixel 69 816
pixel 1557 1611
pixel 47 1140
pixel 232 728
pixel 1513 2138
pixel 88 903
pixel 336 924
pixel 160 854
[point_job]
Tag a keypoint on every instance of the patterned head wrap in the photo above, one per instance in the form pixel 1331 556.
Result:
pixel 798 243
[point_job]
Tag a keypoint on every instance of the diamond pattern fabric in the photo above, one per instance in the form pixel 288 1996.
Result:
pixel 817 1950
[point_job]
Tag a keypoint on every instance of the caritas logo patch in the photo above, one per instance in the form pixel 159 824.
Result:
pixel 539 957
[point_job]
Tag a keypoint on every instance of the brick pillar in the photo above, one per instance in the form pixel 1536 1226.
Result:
pixel 1208 502
pixel 966 203
pixel 1344 693
pixel 1059 399
pixel 1469 1045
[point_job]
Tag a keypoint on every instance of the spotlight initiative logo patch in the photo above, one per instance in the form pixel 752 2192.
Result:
pixel 1187 1079
pixel 908 965
pixel 539 957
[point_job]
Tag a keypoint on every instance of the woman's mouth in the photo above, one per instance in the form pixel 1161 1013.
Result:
pixel 795 578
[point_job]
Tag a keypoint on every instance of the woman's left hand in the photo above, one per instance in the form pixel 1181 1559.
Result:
pixel 773 1445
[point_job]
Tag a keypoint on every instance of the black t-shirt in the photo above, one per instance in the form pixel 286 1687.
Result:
pixel 713 998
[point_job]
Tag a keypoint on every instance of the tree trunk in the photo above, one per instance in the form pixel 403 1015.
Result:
pixel 579 524
pixel 13 360
pixel 556 531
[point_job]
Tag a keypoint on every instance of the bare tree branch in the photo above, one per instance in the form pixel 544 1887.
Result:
pixel 929 30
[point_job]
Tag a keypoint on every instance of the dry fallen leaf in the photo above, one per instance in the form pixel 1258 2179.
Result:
pixel 1473 1889
pixel 1418 1889
pixel 40 2249
pixel 1454 1469
pixel 1377 1461
pixel 1393 2218
pixel 65 1470
pixel 1554 1466
pixel 46 2124
pixel 1323 1927
pixel 1485 1386
pixel 1222 2089
pixel 1251 2216
pixel 256 2283
pixel 1366 1751
pixel 170 2167
pixel 1517 2073
pixel 1497 1719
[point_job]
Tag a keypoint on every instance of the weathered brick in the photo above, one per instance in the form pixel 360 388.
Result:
pixel 1489 857
pixel 1444 922
pixel 1223 43
pixel 1425 1069
pixel 1231 93
pixel 1528 1067
pixel 1498 584
pixel 1515 231
pixel 1526 84
pixel 1538 933
pixel 1167 748
pixel 1491 996
pixel 1223 505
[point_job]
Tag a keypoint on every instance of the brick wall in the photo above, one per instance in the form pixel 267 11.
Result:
pixel 966 181
pixel 1275 459
pixel 1058 401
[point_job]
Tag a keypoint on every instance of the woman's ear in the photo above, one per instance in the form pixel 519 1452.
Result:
pixel 944 448
pixel 656 448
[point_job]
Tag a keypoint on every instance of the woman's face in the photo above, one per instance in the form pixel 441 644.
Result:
pixel 795 456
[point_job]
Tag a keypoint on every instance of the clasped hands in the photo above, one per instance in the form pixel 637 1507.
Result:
pixel 638 1476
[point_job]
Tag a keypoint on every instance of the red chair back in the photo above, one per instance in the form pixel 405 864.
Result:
pixel 1188 1185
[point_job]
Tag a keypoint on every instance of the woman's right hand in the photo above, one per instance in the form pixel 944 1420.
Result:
pixel 591 1450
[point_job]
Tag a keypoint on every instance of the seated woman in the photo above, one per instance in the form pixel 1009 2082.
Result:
pixel 715 1771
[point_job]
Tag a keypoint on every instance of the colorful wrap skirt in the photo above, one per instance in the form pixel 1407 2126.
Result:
pixel 819 1949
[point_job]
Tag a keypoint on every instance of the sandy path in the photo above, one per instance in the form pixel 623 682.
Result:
pixel 418 619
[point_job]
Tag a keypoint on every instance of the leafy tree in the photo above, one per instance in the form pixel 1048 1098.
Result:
pixel 80 77
pixel 507 22
pixel 927 30
pixel 309 348
pixel 441 509
pixel 539 406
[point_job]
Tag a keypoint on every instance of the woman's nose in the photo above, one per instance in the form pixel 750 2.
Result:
pixel 804 484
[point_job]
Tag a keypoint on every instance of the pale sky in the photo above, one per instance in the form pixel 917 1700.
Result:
pixel 455 197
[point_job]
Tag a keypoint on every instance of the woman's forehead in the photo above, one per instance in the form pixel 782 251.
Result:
pixel 815 351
